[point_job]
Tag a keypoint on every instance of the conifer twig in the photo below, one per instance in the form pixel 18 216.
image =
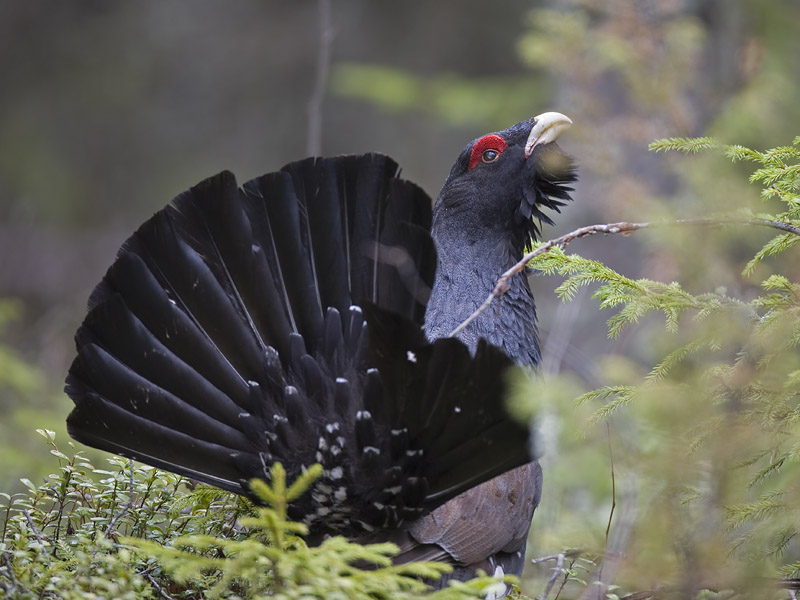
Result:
pixel 624 228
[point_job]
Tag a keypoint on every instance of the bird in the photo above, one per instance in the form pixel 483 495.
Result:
pixel 307 317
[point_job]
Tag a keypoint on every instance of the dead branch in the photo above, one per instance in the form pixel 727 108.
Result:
pixel 624 228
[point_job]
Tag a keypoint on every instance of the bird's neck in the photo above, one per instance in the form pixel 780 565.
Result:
pixel 467 271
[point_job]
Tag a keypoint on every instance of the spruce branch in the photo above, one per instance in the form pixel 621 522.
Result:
pixel 624 228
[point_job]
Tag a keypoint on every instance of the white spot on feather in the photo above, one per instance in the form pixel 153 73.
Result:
pixel 366 526
pixel 412 358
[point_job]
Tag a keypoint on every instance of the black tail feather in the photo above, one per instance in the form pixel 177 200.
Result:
pixel 100 424
pixel 227 335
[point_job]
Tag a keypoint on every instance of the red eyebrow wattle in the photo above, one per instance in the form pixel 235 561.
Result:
pixel 487 142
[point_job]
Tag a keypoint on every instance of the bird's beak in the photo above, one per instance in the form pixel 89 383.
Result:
pixel 547 128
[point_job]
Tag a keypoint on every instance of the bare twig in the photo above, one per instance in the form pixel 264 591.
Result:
pixel 556 572
pixel 125 508
pixel 37 533
pixel 614 553
pixel 613 482
pixel 161 592
pixel 565 579
pixel 613 503
pixel 623 228
pixel 14 586
pixel 644 595
pixel 314 142
pixel 549 557
pixel 572 554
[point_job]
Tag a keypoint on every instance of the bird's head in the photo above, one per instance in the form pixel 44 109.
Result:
pixel 503 181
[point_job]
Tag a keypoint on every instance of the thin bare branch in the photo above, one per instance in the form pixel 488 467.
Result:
pixel 13 585
pixel 613 502
pixel 549 557
pixel 613 482
pixel 623 228
pixel 160 590
pixel 314 142
pixel 38 535
pixel 128 505
pixel 556 573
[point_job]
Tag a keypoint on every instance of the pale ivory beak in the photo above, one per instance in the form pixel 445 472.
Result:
pixel 547 128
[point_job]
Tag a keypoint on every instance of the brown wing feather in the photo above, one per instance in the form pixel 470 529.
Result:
pixel 489 518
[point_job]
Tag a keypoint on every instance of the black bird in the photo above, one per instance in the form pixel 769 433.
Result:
pixel 304 318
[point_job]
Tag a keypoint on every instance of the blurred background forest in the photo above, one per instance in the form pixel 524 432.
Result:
pixel 108 110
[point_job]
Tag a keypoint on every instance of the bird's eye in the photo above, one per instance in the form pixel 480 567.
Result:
pixel 487 149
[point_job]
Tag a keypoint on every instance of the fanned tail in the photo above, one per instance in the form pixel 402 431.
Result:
pixel 281 322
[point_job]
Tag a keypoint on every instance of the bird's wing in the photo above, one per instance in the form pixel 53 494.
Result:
pixel 489 518
pixel 484 528
pixel 230 333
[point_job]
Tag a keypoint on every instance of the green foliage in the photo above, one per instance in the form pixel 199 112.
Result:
pixel 709 434
pixel 15 373
pixel 59 538
pixel 25 403
pixel 684 144
pixel 636 298
pixel 275 561
pixel 133 531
